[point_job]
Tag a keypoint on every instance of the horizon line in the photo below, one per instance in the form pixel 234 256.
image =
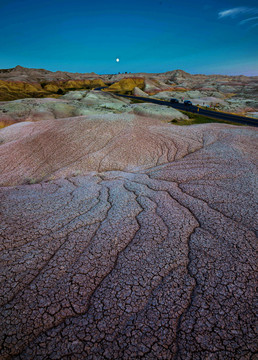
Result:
pixel 128 73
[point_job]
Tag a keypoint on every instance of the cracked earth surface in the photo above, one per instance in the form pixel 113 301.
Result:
pixel 150 263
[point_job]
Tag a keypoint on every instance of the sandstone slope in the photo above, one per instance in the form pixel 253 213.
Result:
pixel 142 246
pixel 239 93
pixel 12 90
pixel 76 103
pixel 79 145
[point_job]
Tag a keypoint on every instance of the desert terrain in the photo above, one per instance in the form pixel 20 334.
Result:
pixel 233 94
pixel 124 235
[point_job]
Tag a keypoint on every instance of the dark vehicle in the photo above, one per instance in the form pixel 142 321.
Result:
pixel 188 102
pixel 174 101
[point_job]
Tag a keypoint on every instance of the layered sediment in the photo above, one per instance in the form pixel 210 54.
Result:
pixel 124 236
pixel 12 90
pixel 234 94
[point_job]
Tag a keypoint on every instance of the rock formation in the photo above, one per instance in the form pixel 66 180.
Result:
pixel 11 90
pixel 154 85
pixel 211 98
pixel 76 103
pixel 72 104
pixel 127 85
pixel 140 244
pixel 139 92
pixel 124 236
pixel 158 112
pixel 240 92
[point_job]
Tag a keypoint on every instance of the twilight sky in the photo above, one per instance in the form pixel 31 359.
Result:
pixel 201 36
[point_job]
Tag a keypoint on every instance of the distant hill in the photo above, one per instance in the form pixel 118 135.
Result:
pixel 20 73
pixel 20 82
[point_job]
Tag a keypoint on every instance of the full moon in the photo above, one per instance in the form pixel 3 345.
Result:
pixel 117 60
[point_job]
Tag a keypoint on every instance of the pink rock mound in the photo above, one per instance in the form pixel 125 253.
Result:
pixel 80 145
pixel 148 253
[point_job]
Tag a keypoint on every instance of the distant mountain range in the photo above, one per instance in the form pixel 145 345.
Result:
pixel 20 73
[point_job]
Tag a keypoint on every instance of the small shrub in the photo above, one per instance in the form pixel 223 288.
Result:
pixel 30 181
pixel 60 92
pixel 201 119
pixel 136 101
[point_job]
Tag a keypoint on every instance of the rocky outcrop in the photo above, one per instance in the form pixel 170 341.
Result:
pixel 155 85
pixel 36 110
pixel 210 98
pixel 191 94
pixel 77 103
pixel 73 85
pixel 139 92
pixel 11 90
pixel 97 83
pixel 74 103
pixel 126 85
pixel 253 114
pixel 158 112
pixel 151 86
pixel 53 88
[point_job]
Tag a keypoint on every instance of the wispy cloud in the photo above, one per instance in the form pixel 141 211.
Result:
pixel 237 11
pixel 248 20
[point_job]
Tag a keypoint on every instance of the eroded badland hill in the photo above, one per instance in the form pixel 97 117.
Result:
pixel 124 236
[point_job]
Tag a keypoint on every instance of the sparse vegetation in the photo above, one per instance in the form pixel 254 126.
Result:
pixel 136 101
pixel 30 181
pixel 60 92
pixel 200 119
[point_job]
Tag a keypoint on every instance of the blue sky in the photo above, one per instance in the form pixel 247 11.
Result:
pixel 201 36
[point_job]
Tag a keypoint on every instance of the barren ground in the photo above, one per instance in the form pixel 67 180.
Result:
pixel 147 252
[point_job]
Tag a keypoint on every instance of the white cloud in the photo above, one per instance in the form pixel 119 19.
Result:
pixel 247 20
pixel 237 11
